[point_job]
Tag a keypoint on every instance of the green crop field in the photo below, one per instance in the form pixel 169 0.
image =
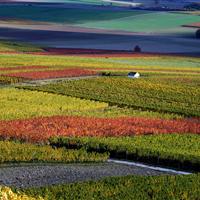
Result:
pixel 24 104
pixel 147 93
pixel 18 152
pixel 180 149
pixel 131 187
pixel 19 104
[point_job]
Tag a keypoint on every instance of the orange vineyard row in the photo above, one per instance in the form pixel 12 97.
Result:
pixel 42 128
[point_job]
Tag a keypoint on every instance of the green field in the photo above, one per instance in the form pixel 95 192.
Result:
pixel 9 46
pixel 172 150
pixel 15 152
pixel 147 94
pixel 167 81
pixel 19 104
pixel 127 20
pixel 130 187
pixel 62 15
pixel 96 2
pixel 147 22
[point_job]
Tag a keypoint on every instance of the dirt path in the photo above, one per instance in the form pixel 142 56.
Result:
pixel 53 80
pixel 49 174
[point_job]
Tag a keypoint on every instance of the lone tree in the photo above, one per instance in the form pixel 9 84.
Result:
pixel 198 34
pixel 137 49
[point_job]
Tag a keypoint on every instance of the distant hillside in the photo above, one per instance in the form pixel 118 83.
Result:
pixel 193 6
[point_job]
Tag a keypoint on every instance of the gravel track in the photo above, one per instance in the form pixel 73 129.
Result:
pixel 54 80
pixel 37 175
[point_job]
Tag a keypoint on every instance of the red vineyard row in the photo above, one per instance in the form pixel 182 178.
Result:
pixel 22 68
pixel 52 74
pixel 40 129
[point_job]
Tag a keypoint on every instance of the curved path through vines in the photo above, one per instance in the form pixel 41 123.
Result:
pixel 37 175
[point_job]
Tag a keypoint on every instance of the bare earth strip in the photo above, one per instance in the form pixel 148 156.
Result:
pixel 50 174
pixel 53 80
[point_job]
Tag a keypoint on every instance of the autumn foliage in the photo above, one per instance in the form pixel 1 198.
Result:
pixel 34 75
pixel 41 129
pixel 22 68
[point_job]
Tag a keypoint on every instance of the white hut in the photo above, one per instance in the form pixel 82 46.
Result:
pixel 133 75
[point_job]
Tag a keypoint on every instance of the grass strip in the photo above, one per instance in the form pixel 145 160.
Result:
pixel 15 152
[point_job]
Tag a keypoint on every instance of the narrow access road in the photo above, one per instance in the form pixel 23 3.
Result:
pixel 52 80
pixel 38 175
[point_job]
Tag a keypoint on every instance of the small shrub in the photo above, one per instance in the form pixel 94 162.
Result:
pixel 7 194
pixel 137 49
pixel 198 34
pixel 106 73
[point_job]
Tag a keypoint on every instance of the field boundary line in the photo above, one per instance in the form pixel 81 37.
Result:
pixel 149 167
pixel 122 18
